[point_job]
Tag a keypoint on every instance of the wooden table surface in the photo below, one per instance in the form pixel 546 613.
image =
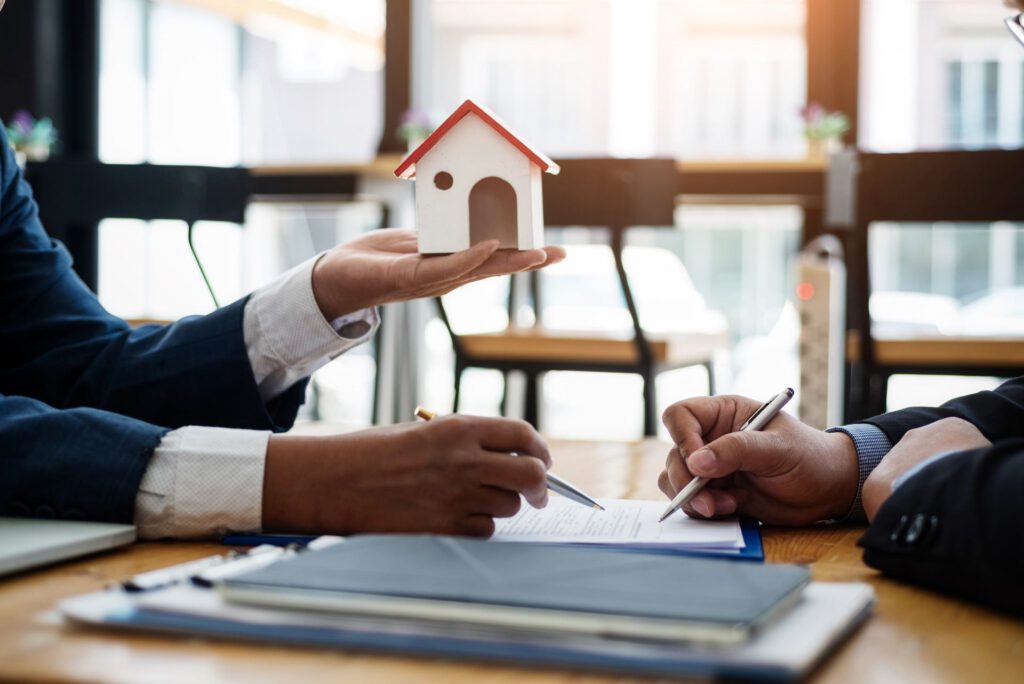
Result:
pixel 914 636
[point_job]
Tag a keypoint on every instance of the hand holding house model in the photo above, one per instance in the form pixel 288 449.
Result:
pixel 476 181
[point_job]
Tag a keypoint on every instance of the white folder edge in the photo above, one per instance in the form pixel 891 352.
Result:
pixel 826 614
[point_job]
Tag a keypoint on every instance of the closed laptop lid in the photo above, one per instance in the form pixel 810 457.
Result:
pixel 27 543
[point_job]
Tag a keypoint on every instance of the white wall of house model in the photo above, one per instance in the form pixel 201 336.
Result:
pixel 476 181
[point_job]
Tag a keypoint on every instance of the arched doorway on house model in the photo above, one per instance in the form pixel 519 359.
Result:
pixel 492 213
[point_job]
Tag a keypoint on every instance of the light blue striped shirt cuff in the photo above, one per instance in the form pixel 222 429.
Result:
pixel 872 445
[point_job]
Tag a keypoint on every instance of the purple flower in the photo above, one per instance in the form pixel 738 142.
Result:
pixel 812 112
pixel 22 122
pixel 414 117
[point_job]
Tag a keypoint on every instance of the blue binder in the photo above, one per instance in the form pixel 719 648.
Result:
pixel 753 549
pixel 831 614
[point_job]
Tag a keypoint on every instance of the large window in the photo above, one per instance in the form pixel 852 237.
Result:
pixel 940 74
pixel 168 100
pixel 199 82
pixel 207 83
pixel 686 78
pixel 945 279
pixel 732 76
pixel 964 279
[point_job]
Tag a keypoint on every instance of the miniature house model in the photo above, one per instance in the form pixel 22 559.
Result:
pixel 475 181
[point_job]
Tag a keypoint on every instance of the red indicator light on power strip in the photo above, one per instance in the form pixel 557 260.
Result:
pixel 805 291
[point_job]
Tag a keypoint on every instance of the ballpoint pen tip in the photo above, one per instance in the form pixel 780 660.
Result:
pixel 664 515
pixel 598 506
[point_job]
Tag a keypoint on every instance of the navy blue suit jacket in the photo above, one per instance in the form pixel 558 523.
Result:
pixel 958 525
pixel 84 398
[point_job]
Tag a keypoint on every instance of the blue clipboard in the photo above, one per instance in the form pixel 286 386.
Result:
pixel 753 549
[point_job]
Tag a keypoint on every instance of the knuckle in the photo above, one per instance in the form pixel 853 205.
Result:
pixel 913 433
pixel 523 426
pixel 663 483
pixel 485 528
pixel 956 423
pixel 674 411
pixel 677 477
pixel 476 526
pixel 676 466
pixel 458 426
pixel 726 444
pixel 536 472
pixel 510 506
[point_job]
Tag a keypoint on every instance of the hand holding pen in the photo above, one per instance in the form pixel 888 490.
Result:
pixel 786 474
pixel 758 420
pixel 448 476
pixel 555 484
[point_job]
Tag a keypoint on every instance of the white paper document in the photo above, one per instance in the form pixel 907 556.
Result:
pixel 624 521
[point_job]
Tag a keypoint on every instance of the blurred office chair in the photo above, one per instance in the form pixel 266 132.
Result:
pixel 74 196
pixel 961 186
pixel 612 195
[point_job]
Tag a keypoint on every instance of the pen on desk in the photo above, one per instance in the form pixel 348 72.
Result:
pixel 555 483
pixel 204 572
pixel 156 579
pixel 757 421
pixel 260 557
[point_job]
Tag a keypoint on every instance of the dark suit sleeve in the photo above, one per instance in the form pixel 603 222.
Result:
pixel 75 464
pixel 85 399
pixel 61 347
pixel 998 414
pixel 958 527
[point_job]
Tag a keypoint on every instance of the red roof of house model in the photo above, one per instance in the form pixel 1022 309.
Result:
pixel 407 168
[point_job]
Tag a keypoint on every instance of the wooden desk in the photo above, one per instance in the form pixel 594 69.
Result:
pixel 941 351
pixel 541 344
pixel 914 636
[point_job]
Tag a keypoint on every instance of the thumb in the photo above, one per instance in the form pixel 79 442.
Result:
pixel 453 266
pixel 758 453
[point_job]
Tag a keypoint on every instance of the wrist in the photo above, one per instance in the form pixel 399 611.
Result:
pixel 334 298
pixel 875 493
pixel 288 494
pixel 846 475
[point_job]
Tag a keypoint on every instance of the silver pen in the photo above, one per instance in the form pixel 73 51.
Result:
pixel 555 483
pixel 757 421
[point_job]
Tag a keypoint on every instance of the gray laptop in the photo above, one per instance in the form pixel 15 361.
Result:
pixel 27 543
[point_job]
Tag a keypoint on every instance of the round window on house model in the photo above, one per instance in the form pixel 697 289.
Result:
pixel 443 180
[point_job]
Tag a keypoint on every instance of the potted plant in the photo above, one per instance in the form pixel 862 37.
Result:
pixel 413 128
pixel 823 129
pixel 32 140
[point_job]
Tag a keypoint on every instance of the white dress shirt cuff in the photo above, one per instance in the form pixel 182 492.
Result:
pixel 203 482
pixel 287 336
